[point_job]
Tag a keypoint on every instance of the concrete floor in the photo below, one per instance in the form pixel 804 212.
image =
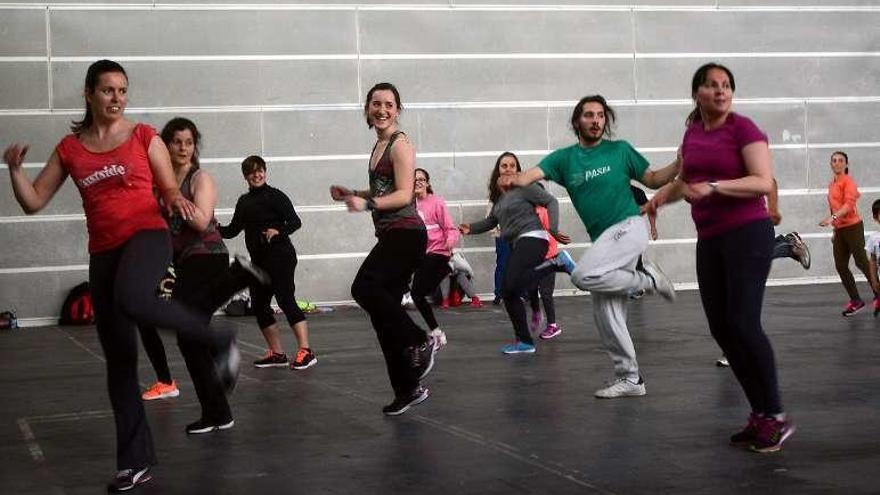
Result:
pixel 493 423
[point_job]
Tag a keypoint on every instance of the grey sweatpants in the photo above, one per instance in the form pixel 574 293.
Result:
pixel 608 271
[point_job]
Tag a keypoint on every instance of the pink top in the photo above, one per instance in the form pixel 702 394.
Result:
pixel 116 188
pixel 716 155
pixel 443 234
pixel 843 191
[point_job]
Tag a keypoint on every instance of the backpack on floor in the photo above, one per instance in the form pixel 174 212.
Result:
pixel 77 308
pixel 8 321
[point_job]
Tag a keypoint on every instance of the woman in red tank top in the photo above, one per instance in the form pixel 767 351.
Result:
pixel 115 164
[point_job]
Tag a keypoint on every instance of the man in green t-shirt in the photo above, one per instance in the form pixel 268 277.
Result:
pixel 597 172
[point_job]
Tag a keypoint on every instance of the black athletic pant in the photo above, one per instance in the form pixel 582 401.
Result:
pixel 155 350
pixel 545 289
pixel 732 271
pixel 193 274
pixel 520 277
pixel 379 285
pixel 845 243
pixel 123 283
pixel 279 261
pixel 434 268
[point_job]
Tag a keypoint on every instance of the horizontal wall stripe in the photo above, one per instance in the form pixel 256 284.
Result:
pixel 733 9
pixel 358 255
pixel 76 112
pixel 436 56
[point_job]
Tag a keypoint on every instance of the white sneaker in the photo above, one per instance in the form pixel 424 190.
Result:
pixel 622 387
pixel 722 362
pixel 438 337
pixel 662 285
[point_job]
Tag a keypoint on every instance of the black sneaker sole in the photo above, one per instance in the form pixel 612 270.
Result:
pixel 311 363
pixel 416 401
pixel 209 429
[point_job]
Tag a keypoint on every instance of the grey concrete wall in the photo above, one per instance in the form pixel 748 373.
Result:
pixel 286 80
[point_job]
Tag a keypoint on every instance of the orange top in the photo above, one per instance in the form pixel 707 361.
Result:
pixel 553 247
pixel 843 191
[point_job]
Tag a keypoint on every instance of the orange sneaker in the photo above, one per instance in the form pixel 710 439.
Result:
pixel 161 390
pixel 304 359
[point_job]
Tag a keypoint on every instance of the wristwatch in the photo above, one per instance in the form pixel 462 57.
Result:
pixel 371 204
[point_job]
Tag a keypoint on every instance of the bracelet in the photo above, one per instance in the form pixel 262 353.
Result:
pixel 371 204
pixel 833 216
pixel 714 186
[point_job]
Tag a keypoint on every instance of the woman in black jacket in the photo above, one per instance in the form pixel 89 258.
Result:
pixel 268 219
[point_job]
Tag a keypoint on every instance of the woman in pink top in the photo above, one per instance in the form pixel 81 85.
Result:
pixel 848 238
pixel 443 235
pixel 726 172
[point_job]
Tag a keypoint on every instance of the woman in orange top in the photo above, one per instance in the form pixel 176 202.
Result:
pixel 848 238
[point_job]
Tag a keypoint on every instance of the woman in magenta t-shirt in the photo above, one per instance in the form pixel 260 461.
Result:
pixel 726 171
pixel 115 164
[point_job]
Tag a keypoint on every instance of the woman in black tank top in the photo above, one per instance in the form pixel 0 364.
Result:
pixel 384 276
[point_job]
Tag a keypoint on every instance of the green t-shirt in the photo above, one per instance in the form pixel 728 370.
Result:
pixel 597 180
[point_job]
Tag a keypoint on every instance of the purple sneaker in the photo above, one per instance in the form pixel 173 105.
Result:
pixel 853 307
pixel 771 433
pixel 551 331
pixel 748 434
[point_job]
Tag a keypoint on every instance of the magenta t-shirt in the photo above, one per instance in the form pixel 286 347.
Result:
pixel 716 155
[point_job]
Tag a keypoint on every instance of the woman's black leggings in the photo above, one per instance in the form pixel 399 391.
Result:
pixel 732 271
pixel 521 277
pixel 123 283
pixel 279 261
pixel 546 287
pixel 428 276
pixel 379 285
pixel 193 274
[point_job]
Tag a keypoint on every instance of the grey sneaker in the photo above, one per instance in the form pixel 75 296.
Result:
pixel 622 387
pixel 799 249
pixel 662 285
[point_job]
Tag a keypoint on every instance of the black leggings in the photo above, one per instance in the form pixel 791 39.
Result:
pixel 732 271
pixel 521 277
pixel 545 288
pixel 430 273
pixel 280 262
pixel 193 274
pixel 379 285
pixel 123 282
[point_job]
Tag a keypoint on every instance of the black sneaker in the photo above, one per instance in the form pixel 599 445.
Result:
pixel 799 249
pixel 127 479
pixel 402 404
pixel 226 362
pixel 421 358
pixel 202 426
pixel 305 358
pixel 258 273
pixel 272 360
